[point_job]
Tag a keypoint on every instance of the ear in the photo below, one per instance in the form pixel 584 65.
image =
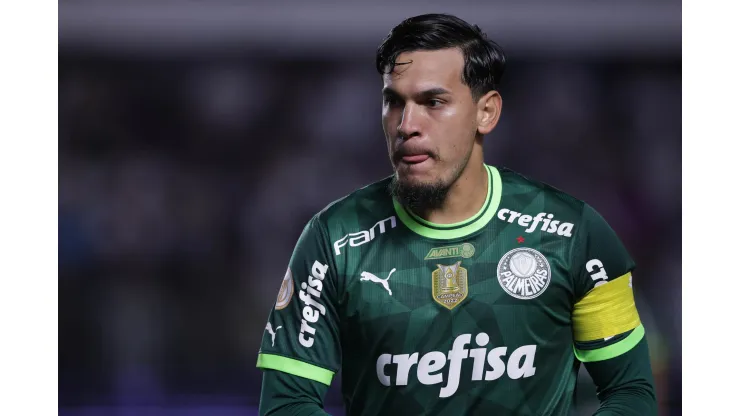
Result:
pixel 489 110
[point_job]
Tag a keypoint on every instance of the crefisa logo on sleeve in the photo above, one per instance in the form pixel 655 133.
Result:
pixel 312 310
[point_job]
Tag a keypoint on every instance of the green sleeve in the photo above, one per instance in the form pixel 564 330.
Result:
pixel 624 384
pixel 598 253
pixel 302 332
pixel 286 394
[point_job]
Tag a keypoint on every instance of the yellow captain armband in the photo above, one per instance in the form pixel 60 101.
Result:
pixel 605 311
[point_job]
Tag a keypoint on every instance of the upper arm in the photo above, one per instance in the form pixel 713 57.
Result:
pixel 608 335
pixel 605 319
pixel 624 383
pixel 287 394
pixel 305 320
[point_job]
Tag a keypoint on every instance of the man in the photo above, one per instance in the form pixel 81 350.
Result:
pixel 453 287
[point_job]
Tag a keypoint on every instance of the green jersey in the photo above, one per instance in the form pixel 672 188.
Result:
pixel 492 315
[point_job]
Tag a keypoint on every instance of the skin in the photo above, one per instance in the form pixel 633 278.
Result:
pixel 427 110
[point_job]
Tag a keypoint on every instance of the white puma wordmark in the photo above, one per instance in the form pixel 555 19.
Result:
pixel 366 276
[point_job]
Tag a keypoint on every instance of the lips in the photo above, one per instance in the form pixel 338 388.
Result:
pixel 413 159
pixel 412 153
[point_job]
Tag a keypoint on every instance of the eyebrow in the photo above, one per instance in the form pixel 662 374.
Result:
pixel 431 92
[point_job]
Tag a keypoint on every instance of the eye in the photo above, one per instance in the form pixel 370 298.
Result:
pixel 391 101
pixel 434 102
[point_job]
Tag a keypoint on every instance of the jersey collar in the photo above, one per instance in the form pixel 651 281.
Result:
pixel 460 229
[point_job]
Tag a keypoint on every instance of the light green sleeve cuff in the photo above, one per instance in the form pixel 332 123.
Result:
pixel 295 367
pixel 613 350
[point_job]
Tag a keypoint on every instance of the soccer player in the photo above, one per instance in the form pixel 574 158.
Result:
pixel 453 287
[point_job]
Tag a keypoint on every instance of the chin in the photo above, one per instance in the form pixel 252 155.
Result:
pixel 417 174
pixel 416 179
pixel 426 179
pixel 418 193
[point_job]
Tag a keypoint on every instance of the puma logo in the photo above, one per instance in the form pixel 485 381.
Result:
pixel 366 276
pixel 268 328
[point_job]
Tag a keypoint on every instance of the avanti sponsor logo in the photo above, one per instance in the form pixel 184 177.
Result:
pixel 549 224
pixel 464 250
pixel 430 366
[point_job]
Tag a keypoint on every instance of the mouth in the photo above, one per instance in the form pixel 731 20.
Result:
pixel 411 154
pixel 414 159
pixel 414 164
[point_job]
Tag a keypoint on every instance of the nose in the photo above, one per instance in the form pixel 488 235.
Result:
pixel 409 127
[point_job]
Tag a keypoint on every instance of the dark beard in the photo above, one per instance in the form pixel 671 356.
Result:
pixel 419 198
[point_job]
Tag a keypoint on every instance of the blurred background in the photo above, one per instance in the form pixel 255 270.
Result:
pixel 197 138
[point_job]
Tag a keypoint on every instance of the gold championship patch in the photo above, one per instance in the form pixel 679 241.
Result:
pixel 450 285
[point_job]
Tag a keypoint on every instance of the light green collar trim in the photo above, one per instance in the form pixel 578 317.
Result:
pixel 461 229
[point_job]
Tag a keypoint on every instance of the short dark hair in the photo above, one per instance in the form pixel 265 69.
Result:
pixel 484 59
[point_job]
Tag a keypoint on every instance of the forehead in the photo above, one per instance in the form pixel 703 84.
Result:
pixel 427 69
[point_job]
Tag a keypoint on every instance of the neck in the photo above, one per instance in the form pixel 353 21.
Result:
pixel 465 197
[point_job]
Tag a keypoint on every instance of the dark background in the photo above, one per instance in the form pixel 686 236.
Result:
pixel 196 140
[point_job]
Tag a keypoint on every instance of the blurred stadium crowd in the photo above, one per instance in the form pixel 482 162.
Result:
pixel 184 184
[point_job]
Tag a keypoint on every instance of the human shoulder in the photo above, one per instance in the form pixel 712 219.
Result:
pixel 355 209
pixel 522 194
